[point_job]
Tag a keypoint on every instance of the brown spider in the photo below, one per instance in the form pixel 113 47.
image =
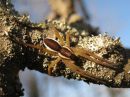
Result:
pixel 68 55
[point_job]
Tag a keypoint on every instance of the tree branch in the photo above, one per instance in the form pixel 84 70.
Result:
pixel 14 56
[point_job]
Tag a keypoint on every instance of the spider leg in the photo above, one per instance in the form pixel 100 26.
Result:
pixel 92 57
pixel 42 49
pixel 55 62
pixel 70 64
pixel 57 35
pixel 17 40
pixel 68 39
pixel 96 56
pixel 100 62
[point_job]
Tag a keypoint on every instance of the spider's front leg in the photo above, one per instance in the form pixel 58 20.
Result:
pixel 90 55
pixel 94 58
pixel 71 64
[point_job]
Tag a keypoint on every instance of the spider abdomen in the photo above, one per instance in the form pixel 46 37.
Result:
pixel 52 45
pixel 63 52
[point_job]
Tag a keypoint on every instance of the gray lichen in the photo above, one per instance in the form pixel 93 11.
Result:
pixel 15 56
pixel 21 28
pixel 102 45
pixel 107 48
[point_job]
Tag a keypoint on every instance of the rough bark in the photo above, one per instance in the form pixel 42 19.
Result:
pixel 15 57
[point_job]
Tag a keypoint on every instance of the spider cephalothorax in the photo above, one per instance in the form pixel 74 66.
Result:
pixel 62 51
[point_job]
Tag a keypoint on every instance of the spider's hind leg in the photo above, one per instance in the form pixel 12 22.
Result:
pixel 68 39
pixel 38 47
pixel 58 35
pixel 17 40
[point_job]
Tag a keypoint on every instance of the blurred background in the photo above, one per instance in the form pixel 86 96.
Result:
pixel 110 16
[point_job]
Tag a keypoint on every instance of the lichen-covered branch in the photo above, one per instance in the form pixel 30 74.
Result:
pixel 65 11
pixel 14 56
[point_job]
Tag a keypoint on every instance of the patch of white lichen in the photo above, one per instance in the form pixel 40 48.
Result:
pixel 105 47
pixel 102 45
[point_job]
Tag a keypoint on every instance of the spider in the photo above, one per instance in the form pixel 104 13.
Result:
pixel 68 55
